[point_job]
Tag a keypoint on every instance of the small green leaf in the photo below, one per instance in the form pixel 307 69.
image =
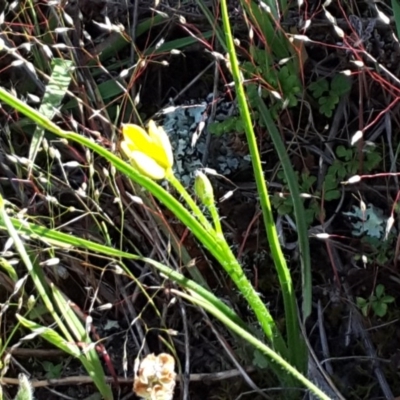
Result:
pixel 340 84
pixel 285 209
pixel 341 151
pixel 326 109
pixel 309 215
pixel 387 299
pixel 308 182
pixel 333 98
pixel 53 371
pixel 380 309
pixel 293 100
pixel 323 100
pixel 330 182
pixel 363 305
pixel 361 302
pixel 283 73
pixel 332 195
pixel 319 87
pixel 372 159
pixel 379 290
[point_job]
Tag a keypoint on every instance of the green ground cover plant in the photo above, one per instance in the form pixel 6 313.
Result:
pixel 346 164
pixel 328 93
pixel 377 302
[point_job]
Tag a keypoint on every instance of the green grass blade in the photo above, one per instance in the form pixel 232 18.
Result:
pixel 276 359
pixel 55 92
pixel 74 324
pixel 64 240
pixel 44 291
pixel 212 21
pixel 295 341
pixel 51 336
pixel 265 22
pixel 201 291
pixel 6 266
pixel 213 301
pixel 176 44
pixel 35 273
pixel 90 359
pixel 298 207
pixel 72 349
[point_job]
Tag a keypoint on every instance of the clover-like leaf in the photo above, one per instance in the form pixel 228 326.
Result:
pixel 327 105
pixel 319 87
pixel 340 85
pixel 380 309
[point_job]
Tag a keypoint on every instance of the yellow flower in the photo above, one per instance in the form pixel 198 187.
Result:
pixel 150 153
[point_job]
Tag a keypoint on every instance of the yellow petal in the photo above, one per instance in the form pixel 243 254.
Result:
pixel 147 165
pixel 137 137
pixel 127 148
pixel 164 151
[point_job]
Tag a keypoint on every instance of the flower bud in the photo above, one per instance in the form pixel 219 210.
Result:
pixel 203 189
